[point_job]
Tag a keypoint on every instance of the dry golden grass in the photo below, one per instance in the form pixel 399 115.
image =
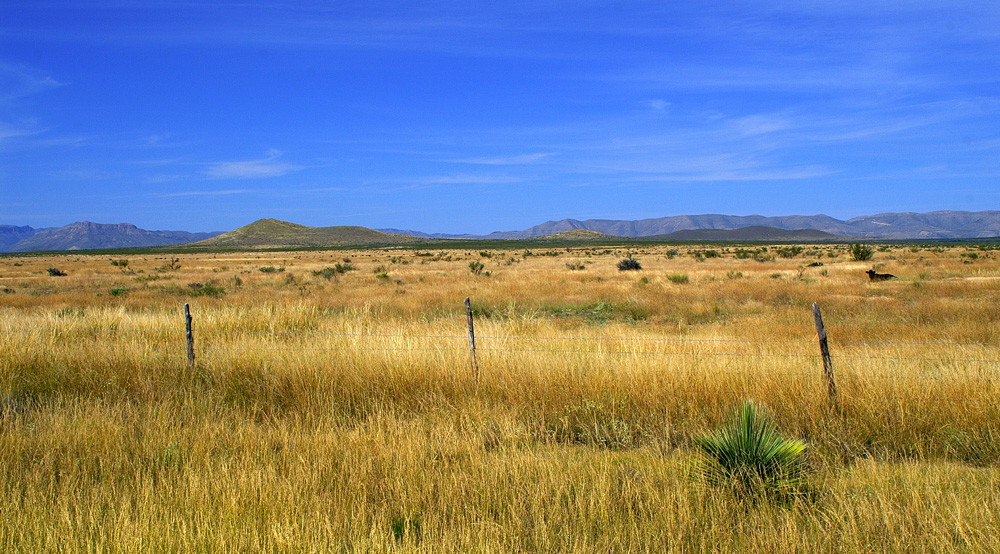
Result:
pixel 341 415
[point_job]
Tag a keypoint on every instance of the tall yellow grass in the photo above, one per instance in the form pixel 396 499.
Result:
pixel 341 415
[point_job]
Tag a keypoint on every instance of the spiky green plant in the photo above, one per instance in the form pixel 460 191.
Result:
pixel 748 455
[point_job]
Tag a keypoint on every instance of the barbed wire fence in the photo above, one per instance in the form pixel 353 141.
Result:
pixel 602 345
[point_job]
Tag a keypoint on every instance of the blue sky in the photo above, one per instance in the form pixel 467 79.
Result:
pixel 482 116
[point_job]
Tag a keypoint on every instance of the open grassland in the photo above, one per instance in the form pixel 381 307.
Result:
pixel 336 410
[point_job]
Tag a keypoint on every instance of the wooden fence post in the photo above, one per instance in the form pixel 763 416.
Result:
pixel 472 340
pixel 824 349
pixel 190 335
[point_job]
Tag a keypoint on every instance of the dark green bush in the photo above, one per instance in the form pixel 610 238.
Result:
pixel 207 289
pixel 331 272
pixel 629 264
pixel 789 251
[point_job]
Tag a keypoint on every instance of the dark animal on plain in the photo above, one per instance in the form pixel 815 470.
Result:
pixel 879 276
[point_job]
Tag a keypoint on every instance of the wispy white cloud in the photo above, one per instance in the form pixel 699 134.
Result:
pixel 9 131
pixel 743 175
pixel 659 105
pixel 157 178
pixel 155 138
pixel 462 179
pixel 84 174
pixel 506 160
pixel 857 124
pixel 228 192
pixel 444 27
pixel 933 172
pixel 18 81
pixel 321 190
pixel 165 139
pixel 31 135
pixel 157 162
pixel 760 124
pixel 397 184
pixel 268 166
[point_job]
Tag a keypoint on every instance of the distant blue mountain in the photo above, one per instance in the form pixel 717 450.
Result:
pixel 427 235
pixel 11 235
pixel 906 225
pixel 90 236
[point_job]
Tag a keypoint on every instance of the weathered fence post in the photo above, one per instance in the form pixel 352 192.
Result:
pixel 190 335
pixel 824 348
pixel 472 341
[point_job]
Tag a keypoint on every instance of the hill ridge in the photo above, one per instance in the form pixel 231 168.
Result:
pixel 269 232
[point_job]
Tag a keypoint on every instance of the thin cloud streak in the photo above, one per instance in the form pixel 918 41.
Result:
pixel 252 169
pixel 466 180
pixel 230 192
pixel 733 176
pixel 505 160
pixel 18 81
pixel 9 132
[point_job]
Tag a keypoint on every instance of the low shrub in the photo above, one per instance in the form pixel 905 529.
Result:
pixel 207 289
pixel 331 272
pixel 789 251
pixel 629 264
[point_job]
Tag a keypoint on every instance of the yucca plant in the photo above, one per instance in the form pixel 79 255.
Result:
pixel 749 456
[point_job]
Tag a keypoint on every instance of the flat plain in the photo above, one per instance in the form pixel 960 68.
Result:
pixel 333 407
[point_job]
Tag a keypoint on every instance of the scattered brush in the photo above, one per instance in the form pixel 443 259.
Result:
pixel 629 264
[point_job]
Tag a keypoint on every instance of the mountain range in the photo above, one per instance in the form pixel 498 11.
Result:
pixel 85 235
pixel 905 225
pixel 271 232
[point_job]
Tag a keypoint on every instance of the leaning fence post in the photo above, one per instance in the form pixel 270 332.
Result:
pixel 824 348
pixel 472 340
pixel 190 335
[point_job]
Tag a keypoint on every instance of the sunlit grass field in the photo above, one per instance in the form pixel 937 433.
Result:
pixel 338 410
